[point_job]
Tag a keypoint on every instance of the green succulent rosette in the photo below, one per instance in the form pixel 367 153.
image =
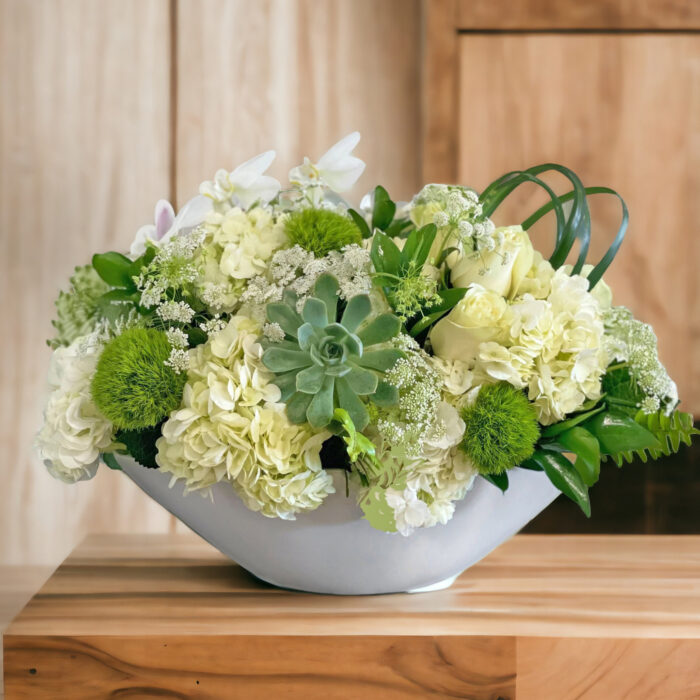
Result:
pixel 324 363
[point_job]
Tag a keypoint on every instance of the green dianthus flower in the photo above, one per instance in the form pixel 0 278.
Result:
pixel 501 429
pixel 320 231
pixel 132 386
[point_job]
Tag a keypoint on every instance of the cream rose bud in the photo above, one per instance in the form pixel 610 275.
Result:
pixel 502 269
pixel 474 320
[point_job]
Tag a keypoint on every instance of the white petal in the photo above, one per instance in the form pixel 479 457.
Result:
pixel 263 189
pixel 339 150
pixel 145 233
pixel 192 213
pixel 343 174
pixel 246 173
pixel 164 216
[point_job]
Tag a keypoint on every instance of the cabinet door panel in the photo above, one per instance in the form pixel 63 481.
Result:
pixel 620 110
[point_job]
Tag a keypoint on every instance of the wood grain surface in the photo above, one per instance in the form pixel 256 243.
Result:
pixel 597 109
pixel 541 617
pixel 84 154
pixel 107 107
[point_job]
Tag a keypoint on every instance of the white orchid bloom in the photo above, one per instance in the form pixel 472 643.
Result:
pixel 336 169
pixel 168 225
pixel 245 185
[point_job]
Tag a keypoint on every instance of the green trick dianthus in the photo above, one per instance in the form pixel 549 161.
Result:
pixel 77 310
pixel 320 231
pixel 132 386
pixel 501 428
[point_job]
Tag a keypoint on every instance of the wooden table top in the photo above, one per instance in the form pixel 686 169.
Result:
pixel 534 586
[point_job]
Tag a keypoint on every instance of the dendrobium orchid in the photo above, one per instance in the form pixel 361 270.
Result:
pixel 337 169
pixel 245 185
pixel 166 224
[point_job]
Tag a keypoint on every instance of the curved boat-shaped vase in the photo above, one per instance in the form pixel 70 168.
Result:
pixel 333 550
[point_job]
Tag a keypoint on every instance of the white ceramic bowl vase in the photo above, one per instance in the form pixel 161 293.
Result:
pixel 333 550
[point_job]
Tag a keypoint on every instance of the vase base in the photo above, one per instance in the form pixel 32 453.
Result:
pixel 439 586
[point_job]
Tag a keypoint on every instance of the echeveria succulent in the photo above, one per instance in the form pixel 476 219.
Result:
pixel 323 364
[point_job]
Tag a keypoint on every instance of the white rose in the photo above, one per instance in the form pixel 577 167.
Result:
pixel 502 269
pixel 476 319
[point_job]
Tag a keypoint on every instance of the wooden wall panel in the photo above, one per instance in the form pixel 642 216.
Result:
pixel 297 76
pixel 620 110
pixel 84 152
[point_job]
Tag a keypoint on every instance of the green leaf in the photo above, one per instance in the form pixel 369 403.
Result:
pixel 310 380
pixel 385 254
pixel 288 319
pixel 450 298
pixel 357 310
pixel 114 269
pixel 326 289
pixel 618 433
pixel 564 476
pixel 418 246
pixel 386 394
pixel 499 480
pixel 587 450
pixel 348 400
pixel 196 336
pixel 381 360
pixel 557 428
pixel 384 209
pixel 320 411
pixel 380 330
pixel 362 381
pixel 671 431
pixel 287 384
pixel 297 406
pixel 360 223
pixel 110 460
pixel 281 360
pixel 315 312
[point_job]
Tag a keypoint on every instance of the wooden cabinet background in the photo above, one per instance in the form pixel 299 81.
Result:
pixel 107 106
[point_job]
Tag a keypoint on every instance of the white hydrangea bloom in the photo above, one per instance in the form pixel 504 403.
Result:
pixel 74 431
pixel 231 427
pixel 550 343
pixel 238 246
pixel 435 479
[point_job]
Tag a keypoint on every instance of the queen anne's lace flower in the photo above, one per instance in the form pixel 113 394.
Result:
pixel 435 478
pixel 74 431
pixel 230 427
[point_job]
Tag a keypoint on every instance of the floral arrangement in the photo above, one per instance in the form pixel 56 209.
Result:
pixel 263 336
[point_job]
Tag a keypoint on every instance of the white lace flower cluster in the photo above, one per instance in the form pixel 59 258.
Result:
pixel 74 431
pixel 298 269
pixel 435 478
pixel 230 427
pixel 634 342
